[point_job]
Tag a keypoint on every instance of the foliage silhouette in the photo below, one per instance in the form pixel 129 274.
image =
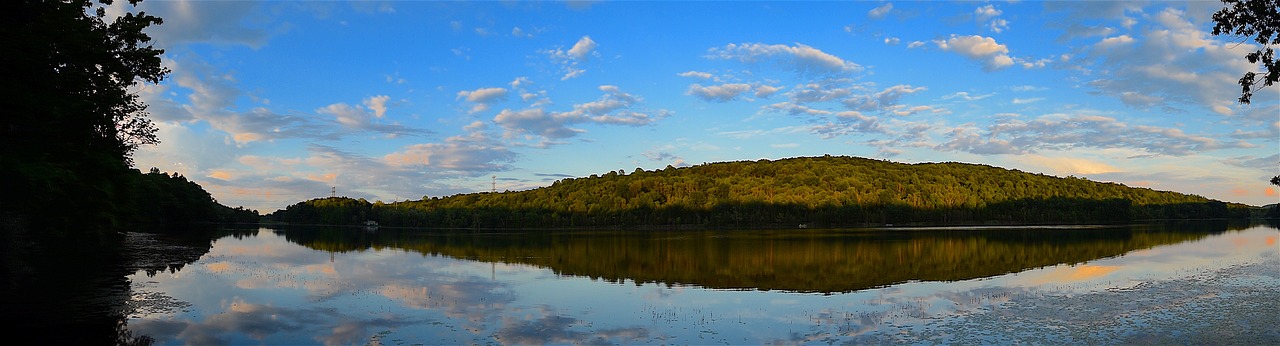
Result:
pixel 1257 20
pixel 72 118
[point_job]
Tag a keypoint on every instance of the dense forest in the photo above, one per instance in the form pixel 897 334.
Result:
pixel 823 191
pixel 72 122
pixel 170 201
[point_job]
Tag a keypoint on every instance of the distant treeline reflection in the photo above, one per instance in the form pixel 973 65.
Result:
pixel 793 260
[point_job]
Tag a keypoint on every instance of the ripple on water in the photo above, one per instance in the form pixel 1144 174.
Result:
pixel 151 303
pixel 1237 305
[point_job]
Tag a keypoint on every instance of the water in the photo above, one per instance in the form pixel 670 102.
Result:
pixel 1143 284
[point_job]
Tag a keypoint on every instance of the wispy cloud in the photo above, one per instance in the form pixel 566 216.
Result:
pixel 483 97
pixel 801 58
pixel 613 108
pixel 880 11
pixel 1069 131
pixel 718 93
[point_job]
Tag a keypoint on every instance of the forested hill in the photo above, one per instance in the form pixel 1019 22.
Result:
pixel 814 191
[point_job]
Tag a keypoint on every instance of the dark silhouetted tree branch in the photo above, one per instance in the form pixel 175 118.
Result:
pixel 1258 20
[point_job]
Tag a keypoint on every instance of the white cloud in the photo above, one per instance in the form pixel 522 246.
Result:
pixel 880 11
pixel 520 82
pixel 822 91
pixel 998 25
pixel 211 98
pixel 882 101
pixel 904 110
pixel 177 146
pixel 989 12
pixel 1261 163
pixel 397 175
pixel 1113 42
pixel 471 155
pixel 892 41
pixel 483 97
pixel 695 74
pixel 1026 88
pixel 1020 101
pixel 582 50
pixel 378 104
pixel 1139 99
pixel 964 95
pixel 570 61
pixel 794 109
pixel 1013 135
pixel 1030 64
pixel 848 123
pixel 801 58
pixel 1077 30
pixel 764 91
pixel 360 119
pixel 915 44
pixel 986 12
pixel 994 56
pixel 1171 63
pixel 205 21
pixel 1063 166
pixel 613 108
pixel 518 32
pixel 535 122
pixel 718 93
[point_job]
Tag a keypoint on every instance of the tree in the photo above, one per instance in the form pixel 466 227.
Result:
pixel 72 116
pixel 1260 21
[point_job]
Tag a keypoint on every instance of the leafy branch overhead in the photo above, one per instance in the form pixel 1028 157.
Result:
pixel 1258 20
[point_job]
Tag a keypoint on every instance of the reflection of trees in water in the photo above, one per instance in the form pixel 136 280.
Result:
pixel 791 260
pixel 67 293
pixel 75 291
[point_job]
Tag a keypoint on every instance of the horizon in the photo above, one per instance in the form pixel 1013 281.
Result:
pixel 273 103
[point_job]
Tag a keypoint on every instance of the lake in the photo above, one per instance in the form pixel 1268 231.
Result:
pixel 1148 284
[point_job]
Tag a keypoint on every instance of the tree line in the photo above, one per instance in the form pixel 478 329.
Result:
pixel 72 121
pixel 823 191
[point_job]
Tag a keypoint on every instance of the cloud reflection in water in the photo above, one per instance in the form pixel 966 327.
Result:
pixel 266 289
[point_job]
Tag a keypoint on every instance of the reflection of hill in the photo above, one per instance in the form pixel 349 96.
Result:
pixel 802 261
pixel 76 291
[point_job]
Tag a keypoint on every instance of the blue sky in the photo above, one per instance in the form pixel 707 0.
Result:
pixel 271 103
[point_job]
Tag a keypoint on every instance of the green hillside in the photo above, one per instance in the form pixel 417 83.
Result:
pixel 813 191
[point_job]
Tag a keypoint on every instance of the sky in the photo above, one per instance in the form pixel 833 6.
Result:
pixel 275 102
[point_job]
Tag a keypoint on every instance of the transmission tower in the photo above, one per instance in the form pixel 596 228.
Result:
pixel 333 192
pixel 495 184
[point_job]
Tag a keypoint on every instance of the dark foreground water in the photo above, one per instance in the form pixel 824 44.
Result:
pixel 1198 284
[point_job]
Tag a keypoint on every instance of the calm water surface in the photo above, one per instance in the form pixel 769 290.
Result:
pixel 1020 285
